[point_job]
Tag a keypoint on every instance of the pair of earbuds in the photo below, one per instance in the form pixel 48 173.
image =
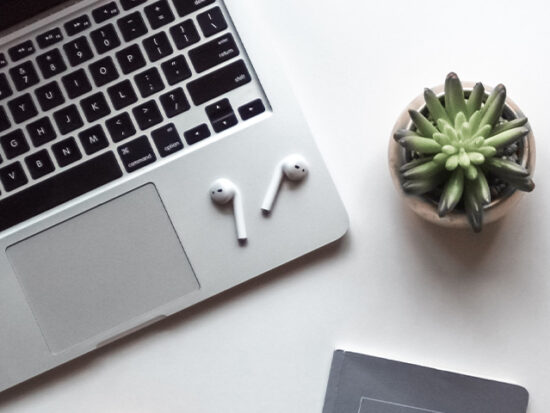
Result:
pixel 223 191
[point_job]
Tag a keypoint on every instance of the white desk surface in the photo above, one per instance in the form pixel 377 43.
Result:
pixel 395 286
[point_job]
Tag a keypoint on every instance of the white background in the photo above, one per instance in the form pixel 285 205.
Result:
pixel 395 286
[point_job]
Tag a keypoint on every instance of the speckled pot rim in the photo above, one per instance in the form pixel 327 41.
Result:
pixel 427 209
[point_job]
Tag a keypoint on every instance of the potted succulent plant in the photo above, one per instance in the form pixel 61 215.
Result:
pixel 462 154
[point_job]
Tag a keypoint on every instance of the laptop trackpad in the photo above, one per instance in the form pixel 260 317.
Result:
pixel 102 268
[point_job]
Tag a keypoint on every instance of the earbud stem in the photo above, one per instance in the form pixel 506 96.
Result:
pixel 272 190
pixel 239 217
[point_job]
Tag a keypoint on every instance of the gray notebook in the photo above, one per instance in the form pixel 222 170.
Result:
pixel 365 384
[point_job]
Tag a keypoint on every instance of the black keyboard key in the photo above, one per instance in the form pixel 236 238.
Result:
pixel 219 82
pixel 147 115
pixel 185 7
pixel 197 134
pixel 66 152
pixel 159 14
pixel 132 26
pixel 149 82
pixel 122 94
pixel 13 177
pixel 68 119
pixel 105 12
pixel 49 38
pixel 76 84
pixel 120 127
pixel 212 22
pixel 214 53
pixel 3 61
pixel 77 25
pixel 252 109
pixel 105 39
pixel 22 108
pixel 93 140
pixel 136 154
pixel 5 89
pixel 128 4
pixel 167 140
pixel 103 71
pixel 5 123
pixel 21 50
pixel 14 144
pixel 24 76
pixel 157 46
pixel 78 51
pixel 51 63
pixel 130 59
pixel 49 96
pixel 41 131
pixel 219 110
pixel 176 70
pixel 184 34
pixel 95 107
pixel 40 164
pixel 174 102
pixel 225 123
pixel 58 189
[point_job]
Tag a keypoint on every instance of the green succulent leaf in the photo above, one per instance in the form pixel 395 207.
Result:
pixel 403 133
pixel 507 125
pixel 507 137
pixel 421 145
pixel 442 139
pixel 475 100
pixel 452 163
pixel 471 173
pixel 504 168
pixel 475 121
pixel 487 151
pixel 424 126
pixel 463 159
pixel 482 132
pixel 423 171
pixel 452 192
pixel 476 158
pixel 454 96
pixel 422 186
pixel 523 184
pixel 473 206
pixel 493 108
pixel 449 149
pixel 441 158
pixel 481 187
pixel 434 106
pixel 412 164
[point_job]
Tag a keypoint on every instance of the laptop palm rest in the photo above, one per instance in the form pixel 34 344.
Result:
pixel 102 268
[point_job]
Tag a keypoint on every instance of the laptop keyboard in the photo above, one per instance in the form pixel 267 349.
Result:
pixel 111 90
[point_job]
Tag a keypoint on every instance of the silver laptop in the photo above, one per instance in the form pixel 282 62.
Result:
pixel 115 119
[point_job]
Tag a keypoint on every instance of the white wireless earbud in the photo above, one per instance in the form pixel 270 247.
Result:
pixel 294 168
pixel 223 191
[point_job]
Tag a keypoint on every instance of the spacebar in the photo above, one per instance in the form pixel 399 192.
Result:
pixel 59 189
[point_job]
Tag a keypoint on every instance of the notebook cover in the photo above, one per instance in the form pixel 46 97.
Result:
pixel 364 384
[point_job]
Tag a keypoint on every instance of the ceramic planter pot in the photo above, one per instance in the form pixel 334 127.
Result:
pixel 427 208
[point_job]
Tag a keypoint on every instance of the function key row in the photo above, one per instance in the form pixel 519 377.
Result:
pixel 131 26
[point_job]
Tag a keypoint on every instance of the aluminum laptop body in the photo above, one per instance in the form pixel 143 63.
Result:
pixel 106 216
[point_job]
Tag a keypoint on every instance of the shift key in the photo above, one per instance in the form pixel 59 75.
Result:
pixel 219 82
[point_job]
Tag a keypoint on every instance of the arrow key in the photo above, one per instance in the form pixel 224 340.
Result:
pixel 197 134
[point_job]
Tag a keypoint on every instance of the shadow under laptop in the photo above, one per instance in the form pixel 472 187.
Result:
pixel 74 368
